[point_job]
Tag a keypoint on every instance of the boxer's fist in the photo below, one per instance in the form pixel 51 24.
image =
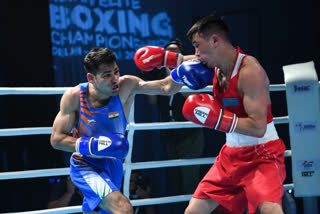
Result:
pixel 110 145
pixel 193 74
pixel 149 57
pixel 202 109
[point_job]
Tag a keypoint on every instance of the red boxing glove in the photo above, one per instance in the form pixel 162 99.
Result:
pixel 202 109
pixel 149 57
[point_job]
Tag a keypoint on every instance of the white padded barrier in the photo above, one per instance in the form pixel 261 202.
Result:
pixel 304 127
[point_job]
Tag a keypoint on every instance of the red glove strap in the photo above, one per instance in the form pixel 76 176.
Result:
pixel 172 59
pixel 227 122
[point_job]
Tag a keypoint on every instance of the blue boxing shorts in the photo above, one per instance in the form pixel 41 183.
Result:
pixel 96 178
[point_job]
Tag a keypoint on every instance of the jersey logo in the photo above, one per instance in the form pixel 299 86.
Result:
pixel 201 113
pixel 91 121
pixel 113 115
pixel 103 143
pixel 230 102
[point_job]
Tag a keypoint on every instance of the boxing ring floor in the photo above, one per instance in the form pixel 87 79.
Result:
pixel 128 164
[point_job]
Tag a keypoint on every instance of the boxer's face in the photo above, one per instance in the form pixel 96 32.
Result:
pixel 204 49
pixel 106 80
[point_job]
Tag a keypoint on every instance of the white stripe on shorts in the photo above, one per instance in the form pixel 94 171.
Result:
pixel 97 184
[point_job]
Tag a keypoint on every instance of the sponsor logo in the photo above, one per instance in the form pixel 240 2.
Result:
pixel 307 164
pixel 147 60
pixel 303 87
pixel 307 173
pixel 312 164
pixel 299 88
pixel 230 102
pixel 308 167
pixel 201 113
pixel 103 143
pixel 306 126
pixel 113 115
pixel 186 81
pixel 91 121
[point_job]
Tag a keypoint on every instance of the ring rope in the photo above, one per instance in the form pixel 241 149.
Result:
pixel 134 203
pixel 134 126
pixel 33 90
pixel 61 90
pixel 137 165
pixel 128 165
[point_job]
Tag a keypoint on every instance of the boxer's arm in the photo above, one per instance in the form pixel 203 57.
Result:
pixel 135 85
pixel 188 57
pixel 64 122
pixel 253 84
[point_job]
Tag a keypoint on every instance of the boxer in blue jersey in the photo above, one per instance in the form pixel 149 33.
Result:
pixel 96 113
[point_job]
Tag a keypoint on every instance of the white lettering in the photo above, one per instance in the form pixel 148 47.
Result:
pixel 134 4
pixel 64 52
pixel 104 21
pixel 116 24
pixel 186 81
pixel 138 24
pixel 160 25
pixel 110 3
pixel 81 17
pixel 71 38
pixel 122 26
pixel 58 17
pixel 201 113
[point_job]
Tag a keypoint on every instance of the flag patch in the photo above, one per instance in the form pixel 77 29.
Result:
pixel 230 102
pixel 113 115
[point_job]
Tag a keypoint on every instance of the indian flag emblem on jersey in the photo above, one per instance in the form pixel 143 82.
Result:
pixel 113 115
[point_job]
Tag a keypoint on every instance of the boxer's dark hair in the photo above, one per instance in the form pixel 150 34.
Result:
pixel 96 57
pixel 210 25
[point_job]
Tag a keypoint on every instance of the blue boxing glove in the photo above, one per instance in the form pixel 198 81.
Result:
pixel 106 145
pixel 193 74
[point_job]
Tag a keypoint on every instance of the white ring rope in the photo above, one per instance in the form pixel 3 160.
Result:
pixel 137 202
pixel 137 165
pixel 128 165
pixel 61 90
pixel 33 90
pixel 133 126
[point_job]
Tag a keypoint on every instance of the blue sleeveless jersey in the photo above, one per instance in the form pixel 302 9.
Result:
pixel 105 174
pixel 93 121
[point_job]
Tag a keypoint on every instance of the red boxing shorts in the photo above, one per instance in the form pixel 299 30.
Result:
pixel 245 176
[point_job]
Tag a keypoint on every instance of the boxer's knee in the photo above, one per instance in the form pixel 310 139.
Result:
pixel 116 203
pixel 270 208
pixel 197 206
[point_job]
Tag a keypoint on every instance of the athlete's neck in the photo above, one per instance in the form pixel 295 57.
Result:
pixel 96 99
pixel 229 59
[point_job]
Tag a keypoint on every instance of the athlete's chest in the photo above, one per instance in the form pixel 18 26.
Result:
pixel 222 80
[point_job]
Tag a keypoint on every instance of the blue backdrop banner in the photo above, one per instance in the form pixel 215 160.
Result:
pixel 121 25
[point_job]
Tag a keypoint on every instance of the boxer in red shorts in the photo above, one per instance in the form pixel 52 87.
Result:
pixel 249 170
